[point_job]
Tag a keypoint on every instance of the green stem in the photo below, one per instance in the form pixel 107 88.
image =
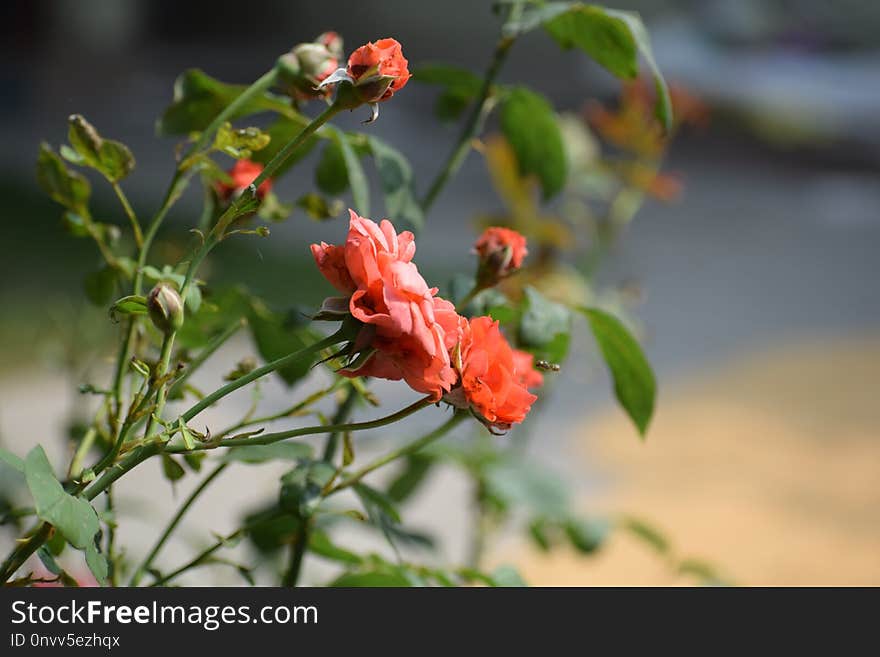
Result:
pixel 301 542
pixel 200 558
pixel 269 438
pixel 204 355
pixel 129 212
pixel 473 126
pixel 160 375
pixel 341 416
pixel 113 570
pixel 406 450
pixel 82 450
pixel 148 560
pixel 21 553
pixel 268 368
pixel 287 412
pixel 175 189
pixel 297 552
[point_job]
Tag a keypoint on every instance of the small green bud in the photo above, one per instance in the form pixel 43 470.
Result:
pixel 165 308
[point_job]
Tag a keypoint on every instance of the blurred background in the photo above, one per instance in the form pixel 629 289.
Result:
pixel 757 283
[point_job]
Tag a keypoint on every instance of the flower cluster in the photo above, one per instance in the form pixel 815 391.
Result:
pixel 409 333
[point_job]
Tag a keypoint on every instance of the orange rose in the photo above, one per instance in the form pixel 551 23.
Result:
pixel 526 373
pixel 492 384
pixel 501 252
pixel 410 328
pixel 243 173
pixel 379 69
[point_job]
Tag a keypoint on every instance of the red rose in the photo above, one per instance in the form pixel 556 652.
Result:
pixel 243 173
pixel 501 252
pixel 526 373
pixel 492 385
pixel 379 69
pixel 410 328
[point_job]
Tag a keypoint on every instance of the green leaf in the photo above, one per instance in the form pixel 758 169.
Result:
pixel 532 16
pixel 172 470
pixel 97 563
pixel 530 125
pixel 650 535
pixel 357 179
pixel 301 487
pixel 587 536
pixel 634 383
pixel 112 158
pixel 415 471
pixel 373 579
pixel 63 186
pixel 377 499
pixel 507 576
pixel 398 185
pixel 13 461
pixel 545 327
pixel 72 516
pixel 331 174
pixel 269 528
pixel 100 285
pixel 614 39
pixel 240 143
pixel 445 75
pixel 280 451
pixel 318 207
pixel 514 483
pixel 116 160
pixel 276 336
pixel 129 305
pixel 84 139
pixel 320 544
pixel 460 87
pixel 48 560
pixel 199 98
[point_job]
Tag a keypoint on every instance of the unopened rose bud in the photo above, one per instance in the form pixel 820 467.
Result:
pixel 165 308
pixel 501 252
pixel 332 41
pixel 303 69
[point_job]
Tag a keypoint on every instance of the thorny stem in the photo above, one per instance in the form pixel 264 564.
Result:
pixel 259 372
pixel 204 355
pixel 129 212
pixel 269 438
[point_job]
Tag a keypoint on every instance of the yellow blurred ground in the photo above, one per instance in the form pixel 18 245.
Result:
pixel 769 468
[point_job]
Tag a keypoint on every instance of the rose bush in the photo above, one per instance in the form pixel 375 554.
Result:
pixel 480 350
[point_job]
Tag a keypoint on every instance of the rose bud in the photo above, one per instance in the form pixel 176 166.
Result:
pixel 165 308
pixel 307 65
pixel 501 252
pixel 332 41
pixel 242 174
pixel 374 73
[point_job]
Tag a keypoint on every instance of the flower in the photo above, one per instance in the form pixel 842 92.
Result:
pixel 526 373
pixel 242 173
pixel 165 308
pixel 302 70
pixel 501 252
pixel 493 378
pixel 410 329
pixel 379 69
